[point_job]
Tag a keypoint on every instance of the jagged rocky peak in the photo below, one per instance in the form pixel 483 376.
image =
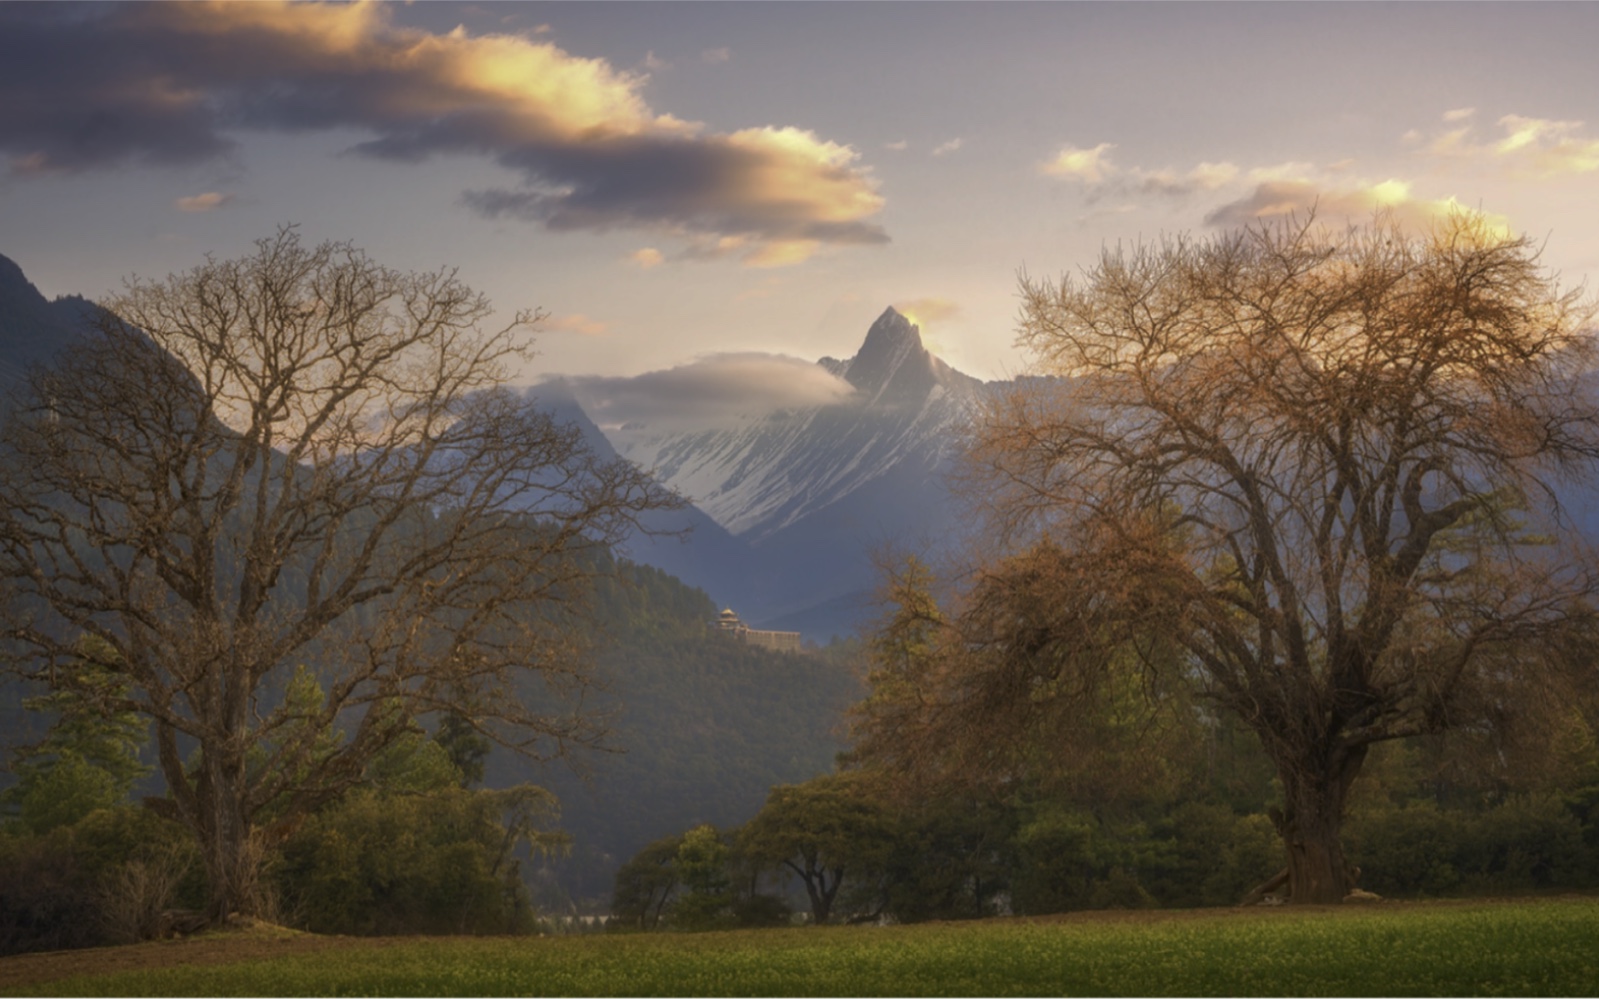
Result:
pixel 892 365
pixel 14 282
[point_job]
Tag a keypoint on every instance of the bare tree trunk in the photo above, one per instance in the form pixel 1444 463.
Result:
pixel 230 864
pixel 1311 826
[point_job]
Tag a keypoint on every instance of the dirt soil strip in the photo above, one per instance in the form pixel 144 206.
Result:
pixel 24 970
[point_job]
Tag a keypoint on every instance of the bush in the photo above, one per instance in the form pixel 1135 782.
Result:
pixel 46 900
pixel 105 879
pixel 1212 856
pixel 1524 844
pixel 379 864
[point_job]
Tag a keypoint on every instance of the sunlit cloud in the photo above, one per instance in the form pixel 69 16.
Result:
pixel 206 202
pixel 1459 114
pixel 1552 147
pixel 1541 147
pixel 171 84
pixel 576 322
pixel 1094 168
pixel 1091 166
pixel 951 146
pixel 782 254
pixel 922 311
pixel 1282 198
pixel 898 146
pixel 711 390
pixel 646 258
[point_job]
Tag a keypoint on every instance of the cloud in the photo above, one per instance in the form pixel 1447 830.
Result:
pixel 203 202
pixel 172 84
pixel 1091 166
pixel 1204 177
pixel 711 390
pixel 647 257
pixel 1550 147
pixel 1282 197
pixel 949 147
pixel 897 146
pixel 927 310
pixel 1541 147
pixel 576 322
pixel 712 57
pixel 1459 114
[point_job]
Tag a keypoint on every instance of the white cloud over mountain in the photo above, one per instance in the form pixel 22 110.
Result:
pixel 710 391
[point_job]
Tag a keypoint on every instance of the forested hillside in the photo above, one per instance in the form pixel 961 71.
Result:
pixel 701 725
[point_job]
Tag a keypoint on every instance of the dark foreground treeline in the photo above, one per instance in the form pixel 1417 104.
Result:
pixel 413 851
pixel 1432 818
pixel 443 835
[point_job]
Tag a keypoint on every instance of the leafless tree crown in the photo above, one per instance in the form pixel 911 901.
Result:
pixel 303 460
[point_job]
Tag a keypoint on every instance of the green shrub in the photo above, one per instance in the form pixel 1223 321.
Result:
pixel 397 864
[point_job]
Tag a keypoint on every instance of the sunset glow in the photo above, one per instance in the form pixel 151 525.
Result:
pixel 695 180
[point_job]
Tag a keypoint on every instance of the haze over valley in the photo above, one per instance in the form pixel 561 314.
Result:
pixel 529 470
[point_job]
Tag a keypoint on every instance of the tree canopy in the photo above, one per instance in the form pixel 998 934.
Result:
pixel 301 460
pixel 1309 477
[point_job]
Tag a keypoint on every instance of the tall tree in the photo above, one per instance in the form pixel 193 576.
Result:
pixel 301 458
pixel 1306 461
pixel 821 831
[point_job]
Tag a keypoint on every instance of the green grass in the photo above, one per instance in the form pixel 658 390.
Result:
pixel 1548 947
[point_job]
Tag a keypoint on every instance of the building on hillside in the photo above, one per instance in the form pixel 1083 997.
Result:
pixel 777 641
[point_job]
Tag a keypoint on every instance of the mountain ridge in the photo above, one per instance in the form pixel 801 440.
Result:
pixel 812 493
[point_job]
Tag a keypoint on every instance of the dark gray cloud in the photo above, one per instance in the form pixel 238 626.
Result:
pixel 94 87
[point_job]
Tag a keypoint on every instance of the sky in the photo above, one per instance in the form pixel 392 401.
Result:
pixel 690 189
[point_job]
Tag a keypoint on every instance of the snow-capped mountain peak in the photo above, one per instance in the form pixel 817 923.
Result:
pixel 759 475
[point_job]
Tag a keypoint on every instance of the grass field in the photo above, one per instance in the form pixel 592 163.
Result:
pixel 1543 947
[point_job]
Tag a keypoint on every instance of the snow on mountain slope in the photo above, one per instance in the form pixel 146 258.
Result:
pixel 766 473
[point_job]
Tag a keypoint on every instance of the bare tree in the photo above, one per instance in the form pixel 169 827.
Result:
pixel 1311 474
pixel 302 464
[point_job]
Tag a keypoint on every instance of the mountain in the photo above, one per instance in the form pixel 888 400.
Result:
pixel 32 328
pixel 803 498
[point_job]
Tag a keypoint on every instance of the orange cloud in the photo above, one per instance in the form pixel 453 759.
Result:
pixel 576 322
pixel 202 202
pixel 647 257
pixel 927 310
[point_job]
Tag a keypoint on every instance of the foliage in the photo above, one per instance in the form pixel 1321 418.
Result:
pixel 822 831
pixel 1527 843
pixel 1527 948
pixel 301 458
pixel 434 862
pixel 90 757
pixel 104 879
pixel 646 884
pixel 701 866
pixel 466 747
